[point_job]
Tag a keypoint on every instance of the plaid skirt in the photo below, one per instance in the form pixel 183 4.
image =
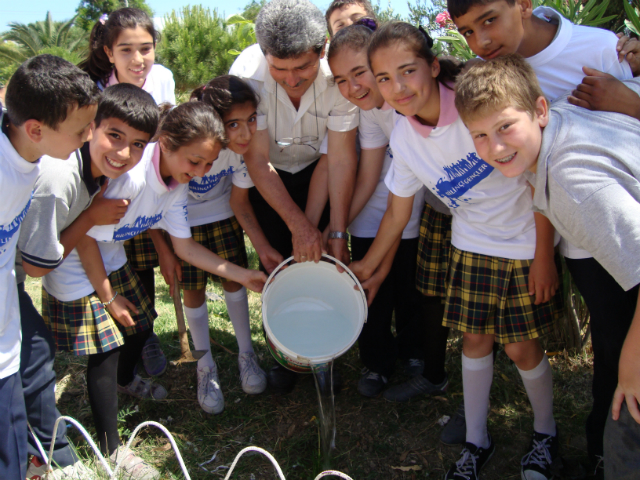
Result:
pixel 434 250
pixel 84 326
pixel 225 239
pixel 141 253
pixel 490 295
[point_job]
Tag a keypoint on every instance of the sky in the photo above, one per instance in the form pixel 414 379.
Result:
pixel 34 10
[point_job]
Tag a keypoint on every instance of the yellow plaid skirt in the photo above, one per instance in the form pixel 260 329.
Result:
pixel 434 250
pixel 84 326
pixel 225 239
pixel 490 295
pixel 141 253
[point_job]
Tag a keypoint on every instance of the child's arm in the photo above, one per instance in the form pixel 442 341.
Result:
pixel 102 211
pixel 318 191
pixel 373 283
pixel 629 50
pixel 169 263
pixel 245 215
pixel 393 222
pixel 543 274
pixel 192 252
pixel 604 92
pixel 93 265
pixel 369 169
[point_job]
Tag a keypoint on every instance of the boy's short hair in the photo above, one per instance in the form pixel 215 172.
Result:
pixel 338 4
pixel 495 84
pixel 132 105
pixel 458 8
pixel 46 88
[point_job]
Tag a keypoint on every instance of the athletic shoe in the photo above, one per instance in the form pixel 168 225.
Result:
pixel 413 367
pixel 252 377
pixel 281 379
pixel 37 471
pixel 538 463
pixel 472 459
pixel 596 468
pixel 371 383
pixel 153 359
pixel 132 466
pixel 209 392
pixel 144 388
pixel 417 385
pixel 455 432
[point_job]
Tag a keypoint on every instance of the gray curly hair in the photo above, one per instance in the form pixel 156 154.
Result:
pixel 290 28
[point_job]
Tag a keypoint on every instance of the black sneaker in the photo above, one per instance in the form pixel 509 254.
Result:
pixel 472 459
pixel 417 385
pixel 413 367
pixel 542 458
pixel 281 379
pixel 596 468
pixel 371 383
pixel 455 432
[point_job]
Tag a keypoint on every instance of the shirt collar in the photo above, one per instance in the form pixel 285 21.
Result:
pixel 10 154
pixel 83 155
pixel 448 112
pixel 155 178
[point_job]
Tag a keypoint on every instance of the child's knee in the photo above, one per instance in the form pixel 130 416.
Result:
pixel 526 355
pixel 477 345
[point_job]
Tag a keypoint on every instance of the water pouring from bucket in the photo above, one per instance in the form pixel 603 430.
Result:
pixel 311 315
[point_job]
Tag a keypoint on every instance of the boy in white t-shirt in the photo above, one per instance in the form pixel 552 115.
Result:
pixel 558 51
pixel 50 107
pixel 583 167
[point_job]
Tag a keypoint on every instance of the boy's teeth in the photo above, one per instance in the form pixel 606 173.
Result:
pixel 505 159
pixel 114 164
pixel 363 95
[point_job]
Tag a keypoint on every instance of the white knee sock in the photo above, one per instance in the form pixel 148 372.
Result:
pixel 198 319
pixel 477 376
pixel 238 308
pixel 539 386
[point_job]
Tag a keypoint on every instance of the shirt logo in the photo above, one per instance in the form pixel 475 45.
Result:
pixel 462 176
pixel 141 224
pixel 9 230
pixel 208 182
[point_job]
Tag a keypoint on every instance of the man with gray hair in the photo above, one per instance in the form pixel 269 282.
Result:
pixel 299 106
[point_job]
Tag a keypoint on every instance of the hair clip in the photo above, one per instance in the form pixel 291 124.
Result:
pixel 103 18
pixel 426 36
pixel 368 22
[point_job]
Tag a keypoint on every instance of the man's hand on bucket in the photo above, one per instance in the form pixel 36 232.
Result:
pixel 307 243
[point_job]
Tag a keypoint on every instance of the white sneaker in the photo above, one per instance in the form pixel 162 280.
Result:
pixel 37 471
pixel 132 466
pixel 252 377
pixel 209 392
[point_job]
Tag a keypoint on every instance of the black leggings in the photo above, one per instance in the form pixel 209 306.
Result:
pixel 103 369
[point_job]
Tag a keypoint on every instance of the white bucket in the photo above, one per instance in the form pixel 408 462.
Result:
pixel 311 313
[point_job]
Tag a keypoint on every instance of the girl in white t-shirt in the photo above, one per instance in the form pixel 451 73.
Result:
pixel 497 254
pixel 123 51
pixel 213 200
pixel 418 319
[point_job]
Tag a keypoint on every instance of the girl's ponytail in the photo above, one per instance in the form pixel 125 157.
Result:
pixel 187 123
pixel 224 92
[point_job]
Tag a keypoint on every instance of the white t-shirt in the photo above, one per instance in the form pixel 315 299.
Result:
pixel 153 205
pixel 492 215
pixel 17 177
pixel 209 195
pixel 374 132
pixel 559 69
pixel 159 84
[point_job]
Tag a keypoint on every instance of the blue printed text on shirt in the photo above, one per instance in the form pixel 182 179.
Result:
pixel 462 176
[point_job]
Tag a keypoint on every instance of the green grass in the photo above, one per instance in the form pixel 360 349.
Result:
pixel 372 435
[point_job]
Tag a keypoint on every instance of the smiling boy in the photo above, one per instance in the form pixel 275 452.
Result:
pixel 582 166
pixel 342 13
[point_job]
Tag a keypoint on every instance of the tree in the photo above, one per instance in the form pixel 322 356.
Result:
pixel 252 9
pixel 23 41
pixel 89 11
pixel 195 46
pixel 385 15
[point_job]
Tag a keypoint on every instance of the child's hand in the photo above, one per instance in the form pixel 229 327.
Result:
pixel 107 211
pixel 372 285
pixel 543 279
pixel 359 270
pixel 628 379
pixel 604 92
pixel 269 257
pixel 254 280
pixel 170 265
pixel 629 49
pixel 120 310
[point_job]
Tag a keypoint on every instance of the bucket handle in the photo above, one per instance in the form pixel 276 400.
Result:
pixel 325 258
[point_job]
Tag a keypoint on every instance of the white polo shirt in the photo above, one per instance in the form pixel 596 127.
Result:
pixel 159 84
pixel 328 110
